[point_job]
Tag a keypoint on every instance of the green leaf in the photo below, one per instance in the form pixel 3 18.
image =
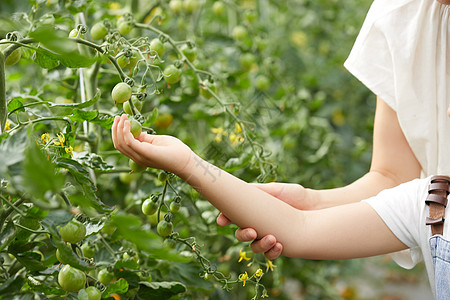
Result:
pixel 7 235
pixel 119 287
pixel 78 105
pixel 83 115
pixel 15 104
pixel 39 174
pixel 104 120
pixel 12 150
pixel 12 286
pixel 160 290
pixel 45 59
pixel 87 195
pixel 151 118
pixel 61 47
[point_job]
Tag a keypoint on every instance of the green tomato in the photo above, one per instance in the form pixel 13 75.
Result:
pixel 176 5
pixel 121 92
pixel 164 228
pixel 135 167
pixel 162 176
pixel 14 57
pixel 105 277
pixel 124 27
pixel 158 46
pixel 172 74
pixel 74 33
pixel 109 229
pixel 149 207
pixel 240 33
pixel 99 31
pixel 135 127
pixel 219 8
pixel 90 293
pixel 128 62
pixel 137 104
pixel 127 178
pixel 88 250
pixel 204 92
pixel 247 60
pixel 73 232
pixel 262 82
pixel 191 5
pixel 190 53
pixel 170 243
pixel 71 279
pixel 174 207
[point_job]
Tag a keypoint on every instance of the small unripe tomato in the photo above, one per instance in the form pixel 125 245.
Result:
pixel 105 277
pixel 240 33
pixel 124 27
pixel 170 243
pixel 90 293
pixel 88 250
pixel 74 33
pixel 189 52
pixel 136 102
pixel 14 57
pixel 158 46
pixel 71 279
pixel 174 207
pixel 219 8
pixel 262 82
pixel 162 176
pixel 176 5
pixel 164 228
pixel 128 62
pixel 191 5
pixel 135 167
pixel 163 121
pixel 172 74
pixel 149 207
pixel 135 127
pixel 205 92
pixel 73 232
pixel 121 92
pixel 99 31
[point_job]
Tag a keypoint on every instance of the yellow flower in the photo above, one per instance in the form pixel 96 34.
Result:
pixel 265 295
pixel 259 272
pixel 114 5
pixel 243 255
pixel 235 139
pixel 44 138
pixel 7 125
pixel 219 133
pixel 243 278
pixel 69 150
pixel 61 140
pixel 238 127
pixel 270 265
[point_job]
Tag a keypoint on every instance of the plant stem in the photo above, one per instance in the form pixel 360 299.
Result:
pixel 3 106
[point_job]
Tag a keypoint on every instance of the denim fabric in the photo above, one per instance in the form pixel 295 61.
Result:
pixel 440 251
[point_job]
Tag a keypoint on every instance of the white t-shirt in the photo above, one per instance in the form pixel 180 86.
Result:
pixel 402 55
pixel 404 211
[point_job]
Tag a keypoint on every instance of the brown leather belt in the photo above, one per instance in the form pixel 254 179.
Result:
pixel 438 191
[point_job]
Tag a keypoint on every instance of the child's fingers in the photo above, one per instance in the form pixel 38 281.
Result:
pixel 274 252
pixel 114 131
pixel 264 244
pixel 222 220
pixel 245 235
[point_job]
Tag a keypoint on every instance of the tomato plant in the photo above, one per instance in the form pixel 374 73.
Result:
pixel 255 87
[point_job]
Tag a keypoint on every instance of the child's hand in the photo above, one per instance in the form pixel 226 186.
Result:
pixel 154 151
pixel 292 194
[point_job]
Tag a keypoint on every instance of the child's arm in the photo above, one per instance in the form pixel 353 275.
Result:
pixel 348 231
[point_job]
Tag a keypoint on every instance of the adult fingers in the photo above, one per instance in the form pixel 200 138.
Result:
pixel 114 131
pixel 222 220
pixel 264 244
pixel 245 235
pixel 274 252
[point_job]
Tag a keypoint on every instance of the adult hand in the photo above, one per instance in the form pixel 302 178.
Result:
pixel 292 194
